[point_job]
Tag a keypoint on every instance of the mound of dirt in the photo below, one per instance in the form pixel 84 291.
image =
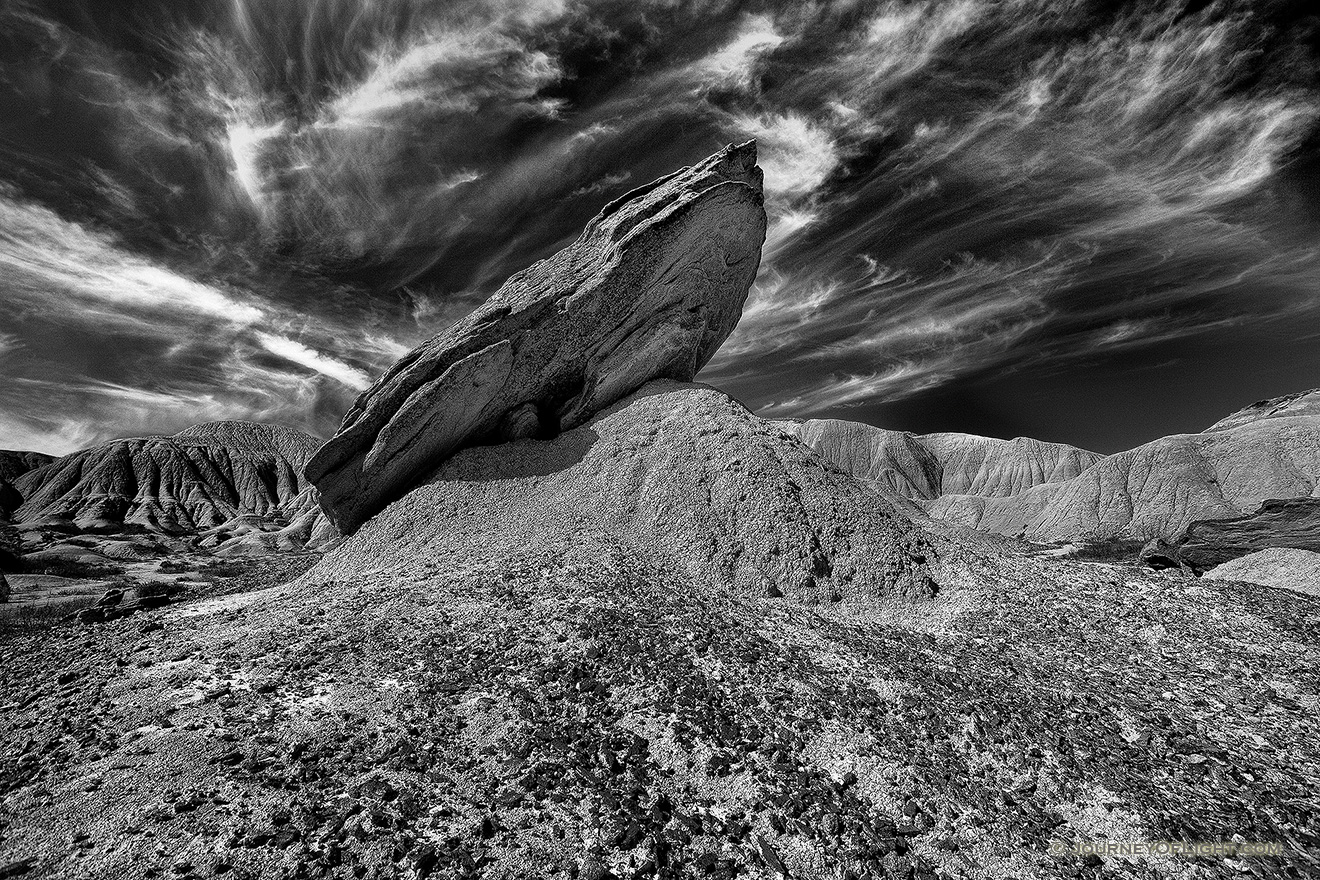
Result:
pixel 1280 567
pixel 680 475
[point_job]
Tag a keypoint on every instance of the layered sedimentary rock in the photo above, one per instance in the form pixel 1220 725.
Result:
pixel 932 466
pixel 1278 523
pixel 650 290
pixel 1056 492
pixel 1158 489
pixel 201 478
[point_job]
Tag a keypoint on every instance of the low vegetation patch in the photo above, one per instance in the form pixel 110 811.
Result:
pixel 33 617
pixel 1110 550
pixel 72 568
pixel 154 590
pixel 226 568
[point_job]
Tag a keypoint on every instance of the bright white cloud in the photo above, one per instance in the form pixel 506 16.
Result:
pixel 448 72
pixel 295 351
pixel 796 154
pixel 46 259
pixel 732 64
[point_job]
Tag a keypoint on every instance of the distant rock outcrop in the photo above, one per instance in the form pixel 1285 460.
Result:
pixel 650 290
pixel 1055 492
pixel 14 463
pixel 1278 523
pixel 201 478
pixel 931 467
pixel 1301 404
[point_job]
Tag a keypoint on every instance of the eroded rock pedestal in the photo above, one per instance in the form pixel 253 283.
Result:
pixel 650 290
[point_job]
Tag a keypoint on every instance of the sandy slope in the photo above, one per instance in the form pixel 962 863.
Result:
pixel 1284 568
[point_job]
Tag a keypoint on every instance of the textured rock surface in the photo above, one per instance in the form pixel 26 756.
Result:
pixel 521 699
pixel 1286 522
pixel 1301 404
pixel 1153 491
pixel 650 290
pixel 200 478
pixel 1287 569
pixel 1159 554
pixel 680 475
pixel 928 467
pixel 14 464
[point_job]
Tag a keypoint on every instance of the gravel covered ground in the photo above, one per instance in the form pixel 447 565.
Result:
pixel 517 696
pixel 565 714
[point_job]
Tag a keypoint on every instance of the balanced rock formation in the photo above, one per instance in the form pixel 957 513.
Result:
pixel 679 475
pixel 1056 492
pixel 197 479
pixel 650 290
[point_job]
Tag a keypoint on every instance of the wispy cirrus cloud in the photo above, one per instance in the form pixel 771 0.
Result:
pixel 253 209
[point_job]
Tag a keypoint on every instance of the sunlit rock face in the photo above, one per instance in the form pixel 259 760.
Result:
pixel 650 290
pixel 1049 491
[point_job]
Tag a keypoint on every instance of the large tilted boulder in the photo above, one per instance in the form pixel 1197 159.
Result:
pixel 650 290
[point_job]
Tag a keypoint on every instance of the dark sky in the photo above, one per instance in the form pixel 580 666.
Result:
pixel 1087 222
